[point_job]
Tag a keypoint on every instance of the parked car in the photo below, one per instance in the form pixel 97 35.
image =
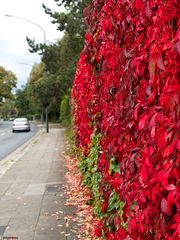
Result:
pixel 21 124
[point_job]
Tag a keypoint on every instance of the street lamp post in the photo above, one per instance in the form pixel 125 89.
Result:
pixel 44 35
pixel 29 21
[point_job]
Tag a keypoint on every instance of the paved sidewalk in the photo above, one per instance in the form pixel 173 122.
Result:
pixel 32 198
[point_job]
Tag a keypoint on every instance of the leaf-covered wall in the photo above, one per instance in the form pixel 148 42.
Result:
pixel 127 91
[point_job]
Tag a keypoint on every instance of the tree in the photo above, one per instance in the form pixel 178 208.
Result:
pixel 55 72
pixel 7 82
pixel 7 109
pixel 60 58
pixel 71 21
pixel 43 89
pixel 22 102
pixel 36 74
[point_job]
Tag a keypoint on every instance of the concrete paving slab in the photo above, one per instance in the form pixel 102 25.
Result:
pixel 10 197
pixel 4 220
pixel 16 189
pixel 29 213
pixel 22 222
pixel 35 189
pixel 4 187
pixel 7 207
pixel 32 202
pixel 9 177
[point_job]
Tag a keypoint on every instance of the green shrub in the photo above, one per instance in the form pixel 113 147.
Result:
pixel 65 116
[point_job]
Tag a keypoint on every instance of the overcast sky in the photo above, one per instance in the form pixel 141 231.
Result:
pixel 14 54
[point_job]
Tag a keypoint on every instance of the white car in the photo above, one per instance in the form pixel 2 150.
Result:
pixel 21 124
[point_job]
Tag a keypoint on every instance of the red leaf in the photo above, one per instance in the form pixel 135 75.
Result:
pixel 155 192
pixel 171 198
pixel 160 138
pixel 136 110
pixel 165 207
pixel 147 10
pixel 142 121
pixel 169 149
pixel 159 62
pixel 148 90
pixel 171 187
pixel 153 131
pixel 117 220
pixel 165 176
pixel 139 4
pixel 171 97
pixel 178 186
pixel 142 200
pixel 175 50
pixel 121 233
pixel 146 170
pixel 178 144
pixel 156 61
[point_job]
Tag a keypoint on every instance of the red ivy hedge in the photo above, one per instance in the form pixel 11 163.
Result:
pixel 127 88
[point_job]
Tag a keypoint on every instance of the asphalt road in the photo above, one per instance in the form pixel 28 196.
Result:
pixel 9 141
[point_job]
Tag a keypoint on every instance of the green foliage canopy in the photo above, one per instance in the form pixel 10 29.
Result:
pixel 71 20
pixel 7 82
pixel 58 59
pixel 22 102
